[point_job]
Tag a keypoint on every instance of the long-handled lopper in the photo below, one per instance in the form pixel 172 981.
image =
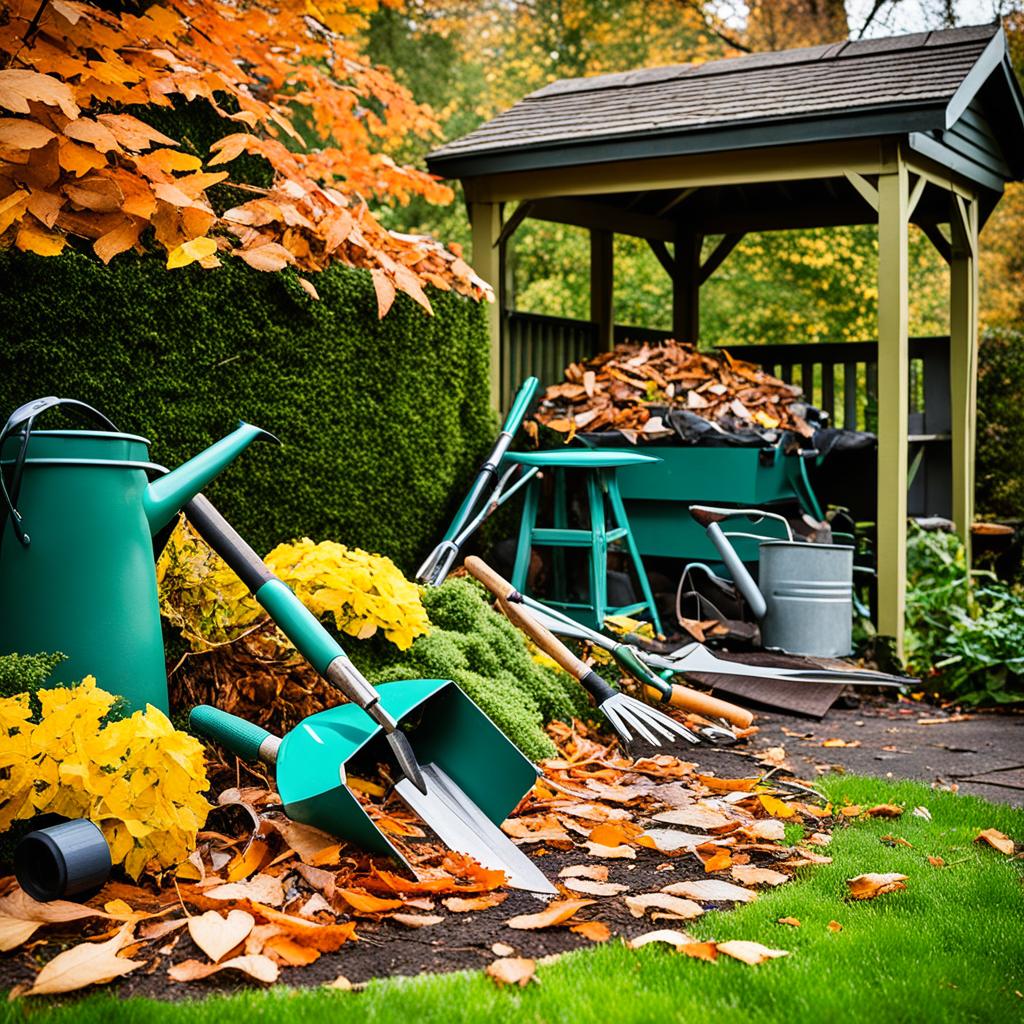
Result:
pixel 634 722
pixel 474 510
pixel 458 737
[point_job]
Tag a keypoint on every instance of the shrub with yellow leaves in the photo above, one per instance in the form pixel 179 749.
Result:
pixel 361 592
pixel 139 779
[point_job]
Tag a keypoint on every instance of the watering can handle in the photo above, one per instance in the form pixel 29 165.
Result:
pixel 26 414
pixel 246 739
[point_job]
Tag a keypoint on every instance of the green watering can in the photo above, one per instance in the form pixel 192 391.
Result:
pixel 78 513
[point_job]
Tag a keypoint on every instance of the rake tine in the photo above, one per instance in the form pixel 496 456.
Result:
pixel 673 729
pixel 621 730
pixel 627 715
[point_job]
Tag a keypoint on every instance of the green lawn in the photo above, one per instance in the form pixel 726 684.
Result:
pixel 950 947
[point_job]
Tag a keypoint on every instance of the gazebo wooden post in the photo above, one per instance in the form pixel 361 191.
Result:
pixel 485 222
pixel 893 397
pixel 686 286
pixel 963 357
pixel 602 286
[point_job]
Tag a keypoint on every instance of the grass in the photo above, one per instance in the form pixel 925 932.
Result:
pixel 949 948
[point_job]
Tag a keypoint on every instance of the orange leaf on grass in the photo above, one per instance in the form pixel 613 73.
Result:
pixel 884 811
pixel 670 936
pixel 791 921
pixel 867 887
pixel 750 952
pixel 513 970
pixel 998 841
pixel 701 950
pixel 557 912
pixel 834 926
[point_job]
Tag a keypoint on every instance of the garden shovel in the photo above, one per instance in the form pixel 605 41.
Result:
pixel 471 775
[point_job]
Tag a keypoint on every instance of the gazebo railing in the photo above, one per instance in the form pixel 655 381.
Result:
pixel 542 346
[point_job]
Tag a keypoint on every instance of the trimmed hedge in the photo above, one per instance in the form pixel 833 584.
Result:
pixel 383 421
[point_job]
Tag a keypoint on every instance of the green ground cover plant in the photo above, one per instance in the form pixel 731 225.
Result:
pixel 948 948
pixel 965 641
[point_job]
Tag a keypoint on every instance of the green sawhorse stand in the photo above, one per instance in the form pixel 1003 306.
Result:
pixel 601 483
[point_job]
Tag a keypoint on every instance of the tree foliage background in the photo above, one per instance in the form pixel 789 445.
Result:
pixel 469 60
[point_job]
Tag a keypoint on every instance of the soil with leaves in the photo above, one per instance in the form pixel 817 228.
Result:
pixel 637 850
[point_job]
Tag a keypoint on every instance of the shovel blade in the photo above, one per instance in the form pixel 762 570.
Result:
pixel 463 827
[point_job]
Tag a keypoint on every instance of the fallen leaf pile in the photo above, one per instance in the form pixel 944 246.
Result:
pixel 262 895
pixel 616 391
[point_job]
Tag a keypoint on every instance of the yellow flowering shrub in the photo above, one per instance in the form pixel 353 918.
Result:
pixel 139 779
pixel 361 592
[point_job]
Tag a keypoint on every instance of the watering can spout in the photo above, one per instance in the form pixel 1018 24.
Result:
pixel 167 495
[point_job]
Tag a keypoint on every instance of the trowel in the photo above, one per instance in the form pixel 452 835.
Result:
pixel 468 775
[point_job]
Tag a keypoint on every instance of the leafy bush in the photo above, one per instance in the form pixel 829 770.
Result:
pixel 25 673
pixel 966 641
pixel 487 656
pixel 138 779
pixel 383 421
pixel 999 462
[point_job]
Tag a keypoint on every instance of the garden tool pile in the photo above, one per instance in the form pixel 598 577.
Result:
pixel 449 788
pixel 480 502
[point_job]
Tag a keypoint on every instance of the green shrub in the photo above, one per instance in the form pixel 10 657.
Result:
pixel 965 641
pixel 26 673
pixel 999 463
pixel 485 654
pixel 383 422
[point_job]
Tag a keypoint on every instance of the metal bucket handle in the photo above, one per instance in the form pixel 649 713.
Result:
pixel 26 414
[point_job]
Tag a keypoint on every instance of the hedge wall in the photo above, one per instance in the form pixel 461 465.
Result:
pixel 383 421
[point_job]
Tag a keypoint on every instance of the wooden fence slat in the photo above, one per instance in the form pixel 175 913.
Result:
pixel 849 396
pixel 828 396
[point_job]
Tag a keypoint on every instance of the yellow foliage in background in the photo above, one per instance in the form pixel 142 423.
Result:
pixel 139 779
pixel 361 592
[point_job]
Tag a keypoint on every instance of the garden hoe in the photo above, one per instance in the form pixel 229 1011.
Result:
pixel 472 512
pixel 470 776
pixel 632 720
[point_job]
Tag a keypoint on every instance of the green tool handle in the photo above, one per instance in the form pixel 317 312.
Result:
pixel 524 396
pixel 247 740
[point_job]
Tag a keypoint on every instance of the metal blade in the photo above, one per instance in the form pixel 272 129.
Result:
pixel 462 826
pixel 402 749
pixel 627 716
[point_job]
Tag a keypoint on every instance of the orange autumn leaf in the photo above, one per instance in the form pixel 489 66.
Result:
pixel 834 926
pixel 998 841
pixel 791 921
pixel 615 833
pixel 364 903
pixel 867 887
pixel 460 905
pixel 701 950
pixel 596 931
pixel 936 862
pixel 556 912
pixel 775 807
pixel 884 811
pixel 512 970
pixel 727 785
pixel 717 859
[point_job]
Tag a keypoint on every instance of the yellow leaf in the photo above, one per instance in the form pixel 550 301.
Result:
pixel 189 252
pixel 775 807
pixel 34 238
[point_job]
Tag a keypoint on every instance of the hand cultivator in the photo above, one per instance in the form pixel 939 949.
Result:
pixel 462 803
pixel 472 512
pixel 633 721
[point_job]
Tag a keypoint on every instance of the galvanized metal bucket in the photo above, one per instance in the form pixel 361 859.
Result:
pixel 808 589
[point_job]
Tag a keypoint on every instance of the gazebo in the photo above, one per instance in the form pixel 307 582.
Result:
pixel 923 129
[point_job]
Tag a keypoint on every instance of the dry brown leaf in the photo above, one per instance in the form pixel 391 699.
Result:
pixel 681 908
pixel 595 872
pixel 160 929
pixel 936 862
pixel 341 983
pixel 308 842
pixel 502 949
pixel 867 887
pixel 216 936
pixel 791 921
pixel 260 889
pixel 465 905
pixel 256 965
pixel 695 817
pixel 557 912
pixel 712 890
pixel 884 811
pixel 747 875
pixel 512 970
pixel 749 952
pixel 670 840
pixel 88 963
pixel 610 852
pixel 835 741
pixel 21 916
pixel 996 839
pixel 667 935
pixel 596 931
pixel 586 886
pixel 769 828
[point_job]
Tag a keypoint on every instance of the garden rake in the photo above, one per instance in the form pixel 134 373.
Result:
pixel 634 722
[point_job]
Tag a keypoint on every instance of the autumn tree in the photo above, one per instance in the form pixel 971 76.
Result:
pixel 81 159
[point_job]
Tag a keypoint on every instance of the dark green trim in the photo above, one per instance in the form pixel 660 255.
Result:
pixel 957 162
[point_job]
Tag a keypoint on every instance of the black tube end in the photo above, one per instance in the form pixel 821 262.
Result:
pixel 69 859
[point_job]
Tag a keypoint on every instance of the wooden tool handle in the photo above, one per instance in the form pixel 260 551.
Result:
pixel 494 582
pixel 545 639
pixel 704 704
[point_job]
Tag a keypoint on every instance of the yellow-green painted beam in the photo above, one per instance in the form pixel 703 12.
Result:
pixel 893 399
pixel 963 357
pixel 485 222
